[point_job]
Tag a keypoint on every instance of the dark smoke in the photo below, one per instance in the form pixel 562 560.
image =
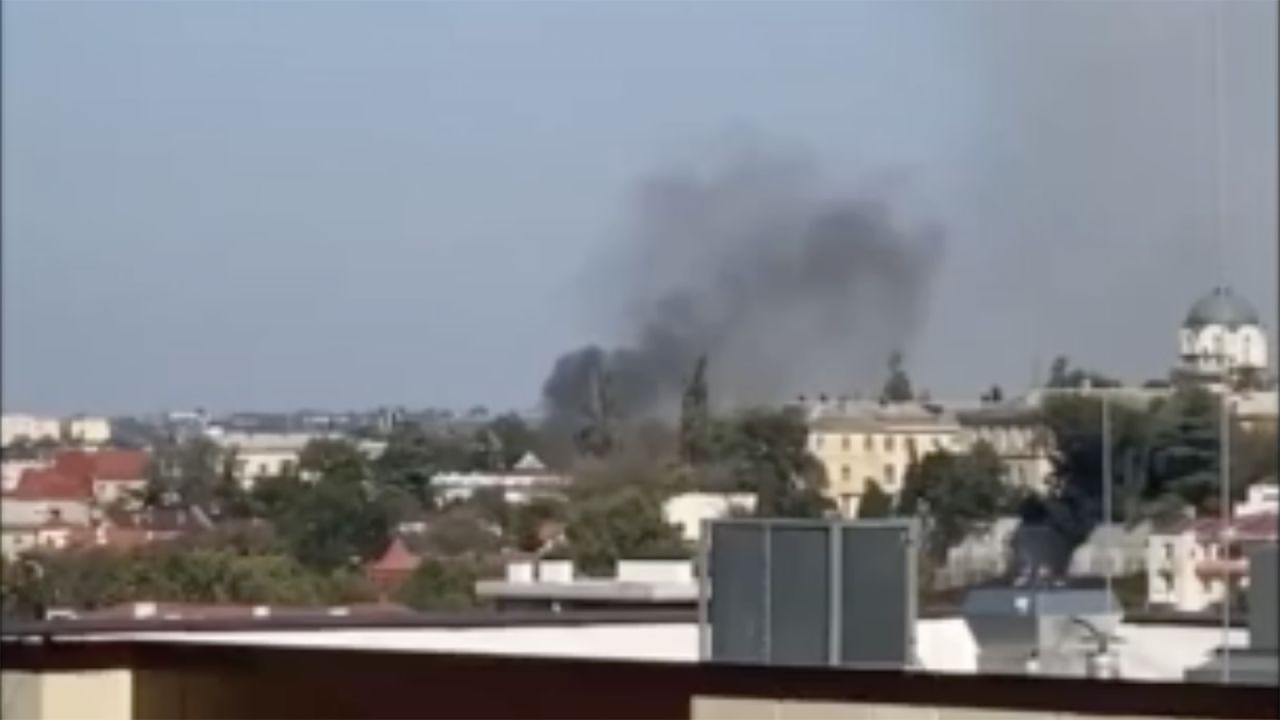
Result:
pixel 785 288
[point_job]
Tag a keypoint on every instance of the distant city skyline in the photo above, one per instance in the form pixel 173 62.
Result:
pixel 347 205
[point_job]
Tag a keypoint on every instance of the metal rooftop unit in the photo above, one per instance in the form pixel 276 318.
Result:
pixel 809 592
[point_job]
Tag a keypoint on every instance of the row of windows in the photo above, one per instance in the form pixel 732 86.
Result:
pixel 888 442
pixel 890 478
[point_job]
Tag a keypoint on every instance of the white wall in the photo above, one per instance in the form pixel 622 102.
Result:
pixel 687 511
pixel 1149 652
pixel 14 426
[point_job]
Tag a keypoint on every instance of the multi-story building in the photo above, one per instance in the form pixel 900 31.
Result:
pixel 1190 563
pixel 32 428
pixel 84 430
pixel 1222 338
pixel 859 443
pixel 1015 431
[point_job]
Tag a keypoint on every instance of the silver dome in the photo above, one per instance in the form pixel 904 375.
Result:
pixel 1221 307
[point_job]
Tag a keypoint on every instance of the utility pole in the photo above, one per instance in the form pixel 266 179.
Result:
pixel 1224 523
pixel 1107 493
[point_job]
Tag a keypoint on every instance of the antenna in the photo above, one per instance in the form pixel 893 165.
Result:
pixel 1220 149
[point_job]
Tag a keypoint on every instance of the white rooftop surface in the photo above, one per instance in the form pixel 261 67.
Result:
pixel 1147 652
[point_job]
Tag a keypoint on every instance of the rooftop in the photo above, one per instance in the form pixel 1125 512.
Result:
pixel 1221 307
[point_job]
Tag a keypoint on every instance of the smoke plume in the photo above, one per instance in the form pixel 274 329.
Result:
pixel 785 287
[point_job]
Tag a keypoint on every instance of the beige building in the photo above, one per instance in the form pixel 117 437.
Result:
pixel 858 442
pixel 30 427
pixel 1015 432
pixel 83 430
pixel 862 442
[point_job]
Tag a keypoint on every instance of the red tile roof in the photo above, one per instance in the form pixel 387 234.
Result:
pixel 1255 526
pixel 120 465
pixel 397 558
pixel 103 465
pixel 76 463
pixel 52 484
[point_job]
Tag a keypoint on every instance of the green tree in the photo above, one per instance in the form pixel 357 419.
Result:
pixel 514 436
pixel 695 417
pixel 767 452
pixel 875 502
pixel 956 495
pixel 617 525
pixel 440 584
pixel 1186 449
pixel 527 521
pixel 334 459
pixel 184 473
pixel 898 387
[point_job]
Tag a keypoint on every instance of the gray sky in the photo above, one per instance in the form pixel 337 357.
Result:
pixel 273 205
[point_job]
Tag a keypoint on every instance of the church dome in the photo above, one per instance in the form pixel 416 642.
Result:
pixel 1221 307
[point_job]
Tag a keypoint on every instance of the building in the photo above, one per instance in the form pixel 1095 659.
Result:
pixel 528 479
pixel 18 427
pixel 262 455
pixel 1015 431
pixel 181 661
pixel 1222 339
pixel 862 442
pixel 11 471
pixel 84 430
pixel 394 567
pixel 1188 562
pixel 42 508
pixel 119 475
pixel 859 443
pixel 687 511
pixel 538 584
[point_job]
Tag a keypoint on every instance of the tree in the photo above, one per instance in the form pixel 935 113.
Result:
pixel 525 530
pixel 1075 424
pixel 898 387
pixel 514 436
pixel 767 452
pixel 440 584
pixel 875 502
pixel 185 473
pixel 1063 376
pixel 695 417
pixel 618 525
pixel 1185 449
pixel 956 495
pixel 334 459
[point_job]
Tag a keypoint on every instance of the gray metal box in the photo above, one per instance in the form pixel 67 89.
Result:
pixel 809 592
pixel 1262 598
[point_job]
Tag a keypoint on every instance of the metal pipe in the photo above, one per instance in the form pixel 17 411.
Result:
pixel 1106 495
pixel 1224 532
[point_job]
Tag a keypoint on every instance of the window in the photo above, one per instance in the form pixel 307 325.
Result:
pixel 869 443
pixel 845 473
pixel 844 443
pixel 817 442
pixel 911 446
pixel 937 443
pixel 889 479
pixel 888 443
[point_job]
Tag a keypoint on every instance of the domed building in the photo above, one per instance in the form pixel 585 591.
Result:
pixel 1222 339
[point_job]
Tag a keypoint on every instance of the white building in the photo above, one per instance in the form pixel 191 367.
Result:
pixel 1189 564
pixel 29 427
pixel 527 479
pixel 1222 337
pixel 83 430
pixel 11 471
pixel 262 455
pixel 687 511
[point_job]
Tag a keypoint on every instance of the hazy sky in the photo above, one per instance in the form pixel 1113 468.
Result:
pixel 326 204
